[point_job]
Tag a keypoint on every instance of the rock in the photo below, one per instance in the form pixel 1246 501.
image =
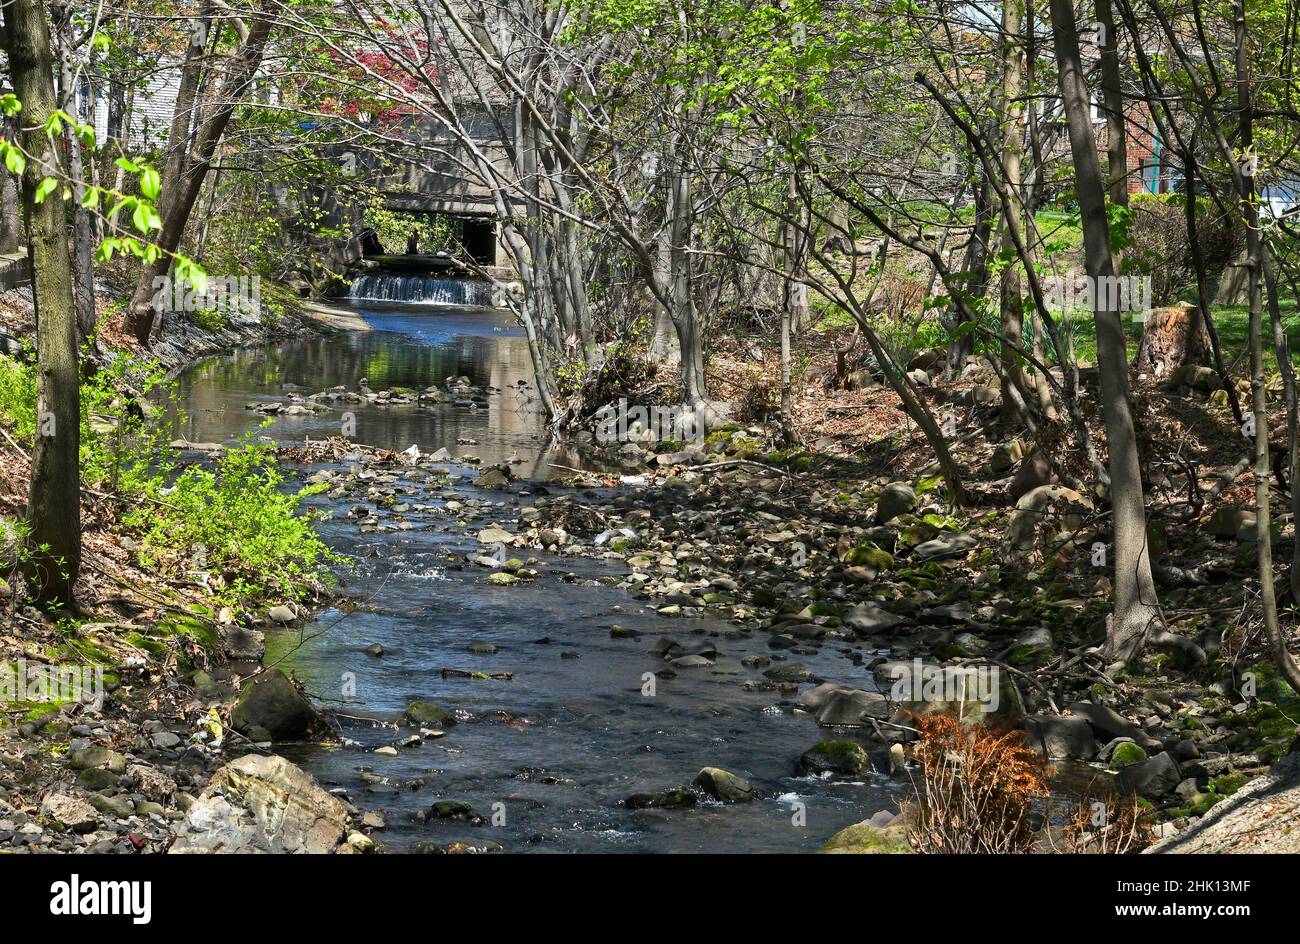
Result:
pixel 270 708
pixel 724 785
pixel 1125 754
pixel 165 740
pixel 1197 376
pixel 896 499
pixel 150 783
pixel 1033 506
pixel 386 751
pixel 867 619
pixel 281 614
pixel 789 672
pixel 1006 455
pixel 850 707
pixel 244 644
pixel 426 713
pixel 375 650
pixel 1262 816
pixel 867 838
pixel 120 807
pixel 1108 724
pixel 945 545
pixel 492 478
pixel 673 799
pixel 262 804
pixel 495 535
pixel 840 757
pixel 96 778
pixel 1033 473
pixel 70 812
pixel 1060 737
pixel 502 579
pixel 1150 778
pixel 96 756
pixel 1229 522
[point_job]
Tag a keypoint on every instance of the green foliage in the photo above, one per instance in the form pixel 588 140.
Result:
pixel 236 524
pixel 394 228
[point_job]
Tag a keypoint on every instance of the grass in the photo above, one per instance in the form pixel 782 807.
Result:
pixel 1231 321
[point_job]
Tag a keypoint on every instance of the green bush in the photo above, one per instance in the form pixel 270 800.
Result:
pixel 1159 247
pixel 237 525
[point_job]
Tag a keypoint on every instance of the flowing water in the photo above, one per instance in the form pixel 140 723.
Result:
pixel 549 754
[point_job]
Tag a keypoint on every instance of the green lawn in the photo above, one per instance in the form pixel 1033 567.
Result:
pixel 1232 323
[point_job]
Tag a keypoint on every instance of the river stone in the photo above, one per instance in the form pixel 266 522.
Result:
pixel 853 707
pixel 495 535
pixel 1150 778
pixel 840 757
pixel 673 799
pixel 724 785
pixel 1263 816
pixel 868 838
pixel 1110 725
pixel 945 545
pixel 426 712
pixel 270 708
pixel 71 812
pixel 1060 737
pixel 492 478
pixel 896 499
pixel 97 756
pixel 262 804
pixel 281 614
pixel 790 672
pixel 866 619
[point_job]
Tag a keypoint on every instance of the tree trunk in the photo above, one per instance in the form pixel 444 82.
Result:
pixel 1135 606
pixel 186 168
pixel 1171 337
pixel 54 501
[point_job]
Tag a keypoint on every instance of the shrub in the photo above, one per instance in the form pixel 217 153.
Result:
pixel 975 789
pixel 1159 246
pixel 237 525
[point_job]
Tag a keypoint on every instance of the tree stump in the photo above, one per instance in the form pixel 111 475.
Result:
pixel 1171 337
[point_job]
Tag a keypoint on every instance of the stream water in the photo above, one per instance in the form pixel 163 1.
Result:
pixel 547 756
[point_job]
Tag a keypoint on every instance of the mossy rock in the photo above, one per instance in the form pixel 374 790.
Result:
pixel 865 839
pixel 1126 754
pixel 841 757
pixel 868 555
pixel 426 713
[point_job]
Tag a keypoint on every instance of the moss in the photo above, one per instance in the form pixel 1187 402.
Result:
pixel 1126 754
pixel 868 555
pixel 865 839
pixel 1228 784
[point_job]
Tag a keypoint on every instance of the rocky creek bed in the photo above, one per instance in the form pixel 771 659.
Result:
pixel 770 603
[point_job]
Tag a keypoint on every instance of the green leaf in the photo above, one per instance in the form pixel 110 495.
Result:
pixel 46 187
pixel 150 183
pixel 10 105
pixel 131 167
pixel 15 160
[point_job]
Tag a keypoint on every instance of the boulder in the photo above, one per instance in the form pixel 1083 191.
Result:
pixel 868 838
pixel 1033 473
pixel 1263 816
pixel 1110 725
pixel 1006 455
pixel 71 812
pixel 840 757
pixel 724 785
pixel 852 707
pixel 426 713
pixel 945 545
pixel 262 804
pixel 1057 737
pixel 1150 778
pixel 896 499
pixel 865 619
pixel 270 708
pixel 675 798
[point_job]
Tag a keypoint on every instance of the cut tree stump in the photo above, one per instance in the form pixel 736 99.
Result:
pixel 1172 337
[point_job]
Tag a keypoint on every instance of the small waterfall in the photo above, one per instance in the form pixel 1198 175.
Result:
pixel 420 290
